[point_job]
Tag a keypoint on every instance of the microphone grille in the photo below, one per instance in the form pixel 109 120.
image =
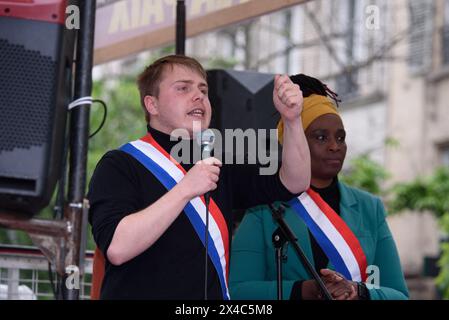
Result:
pixel 206 138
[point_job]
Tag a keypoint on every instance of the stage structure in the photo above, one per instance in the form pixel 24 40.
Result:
pixel 61 240
pixel 122 28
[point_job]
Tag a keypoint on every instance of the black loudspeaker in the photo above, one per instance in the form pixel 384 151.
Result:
pixel 241 99
pixel 36 57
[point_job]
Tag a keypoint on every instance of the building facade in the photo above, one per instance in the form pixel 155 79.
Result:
pixel 389 62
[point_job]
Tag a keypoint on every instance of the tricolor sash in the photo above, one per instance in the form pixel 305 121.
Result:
pixel 169 172
pixel 333 235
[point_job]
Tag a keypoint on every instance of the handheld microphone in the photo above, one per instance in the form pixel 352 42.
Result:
pixel 206 140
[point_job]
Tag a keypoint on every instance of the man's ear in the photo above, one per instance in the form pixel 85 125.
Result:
pixel 151 105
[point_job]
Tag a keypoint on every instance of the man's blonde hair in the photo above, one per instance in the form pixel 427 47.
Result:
pixel 150 79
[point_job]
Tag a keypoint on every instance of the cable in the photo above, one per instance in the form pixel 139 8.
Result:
pixel 58 209
pixel 105 114
pixel 89 101
pixel 79 102
pixel 52 284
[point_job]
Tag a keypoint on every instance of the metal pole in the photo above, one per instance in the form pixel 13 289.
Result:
pixel 17 221
pixel 279 241
pixel 79 126
pixel 180 27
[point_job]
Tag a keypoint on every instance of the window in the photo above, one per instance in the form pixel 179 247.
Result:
pixel 445 34
pixel 347 82
pixel 420 22
pixel 445 155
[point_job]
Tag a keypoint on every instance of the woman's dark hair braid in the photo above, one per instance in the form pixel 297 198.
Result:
pixel 310 85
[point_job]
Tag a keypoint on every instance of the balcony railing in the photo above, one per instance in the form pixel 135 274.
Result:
pixel 24 275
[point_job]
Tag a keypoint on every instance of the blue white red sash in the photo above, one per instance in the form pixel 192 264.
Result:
pixel 169 172
pixel 333 235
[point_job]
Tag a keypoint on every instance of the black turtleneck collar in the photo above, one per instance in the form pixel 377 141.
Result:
pixel 329 191
pixel 330 194
pixel 167 144
pixel 163 139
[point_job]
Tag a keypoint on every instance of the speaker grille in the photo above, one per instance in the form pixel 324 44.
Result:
pixel 25 113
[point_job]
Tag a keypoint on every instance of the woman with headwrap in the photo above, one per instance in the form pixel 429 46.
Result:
pixel 342 230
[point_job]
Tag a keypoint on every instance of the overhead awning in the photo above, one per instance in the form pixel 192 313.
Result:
pixel 130 26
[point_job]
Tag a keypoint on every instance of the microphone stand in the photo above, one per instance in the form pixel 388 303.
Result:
pixel 279 239
pixel 206 142
pixel 205 154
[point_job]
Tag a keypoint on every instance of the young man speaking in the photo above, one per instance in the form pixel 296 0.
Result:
pixel 148 211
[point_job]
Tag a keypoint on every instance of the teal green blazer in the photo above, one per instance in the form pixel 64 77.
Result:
pixel 253 268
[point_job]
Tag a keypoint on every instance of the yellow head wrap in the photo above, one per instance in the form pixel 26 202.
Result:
pixel 314 106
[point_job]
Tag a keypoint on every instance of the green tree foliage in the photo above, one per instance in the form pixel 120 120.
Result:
pixel 424 194
pixel 443 263
pixel 429 194
pixel 365 174
pixel 221 63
